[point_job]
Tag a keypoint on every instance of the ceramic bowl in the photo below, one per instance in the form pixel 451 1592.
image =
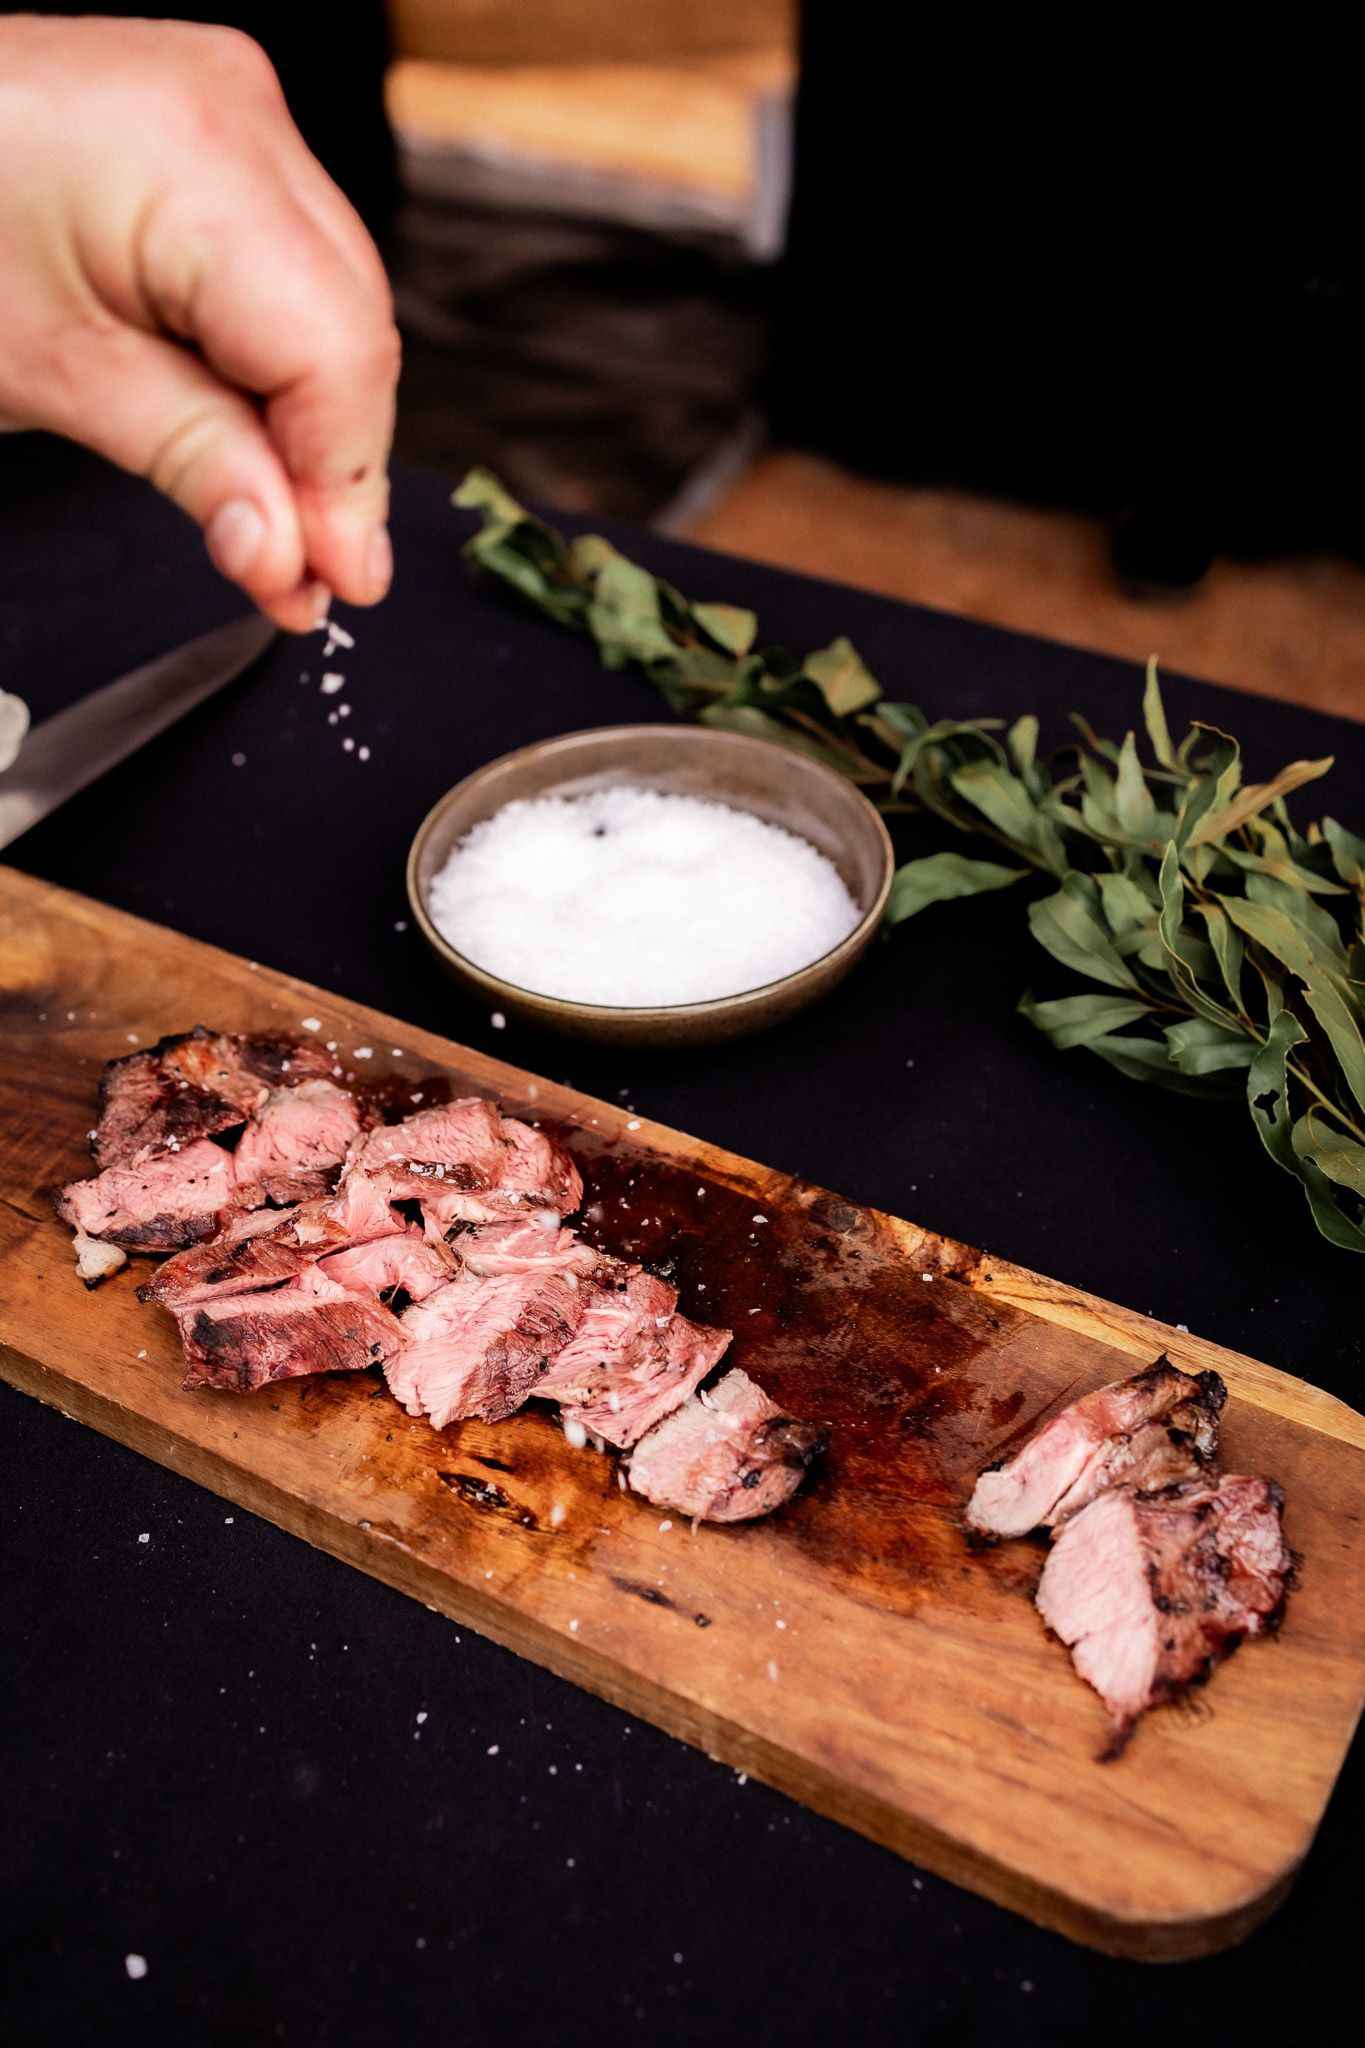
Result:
pixel 770 781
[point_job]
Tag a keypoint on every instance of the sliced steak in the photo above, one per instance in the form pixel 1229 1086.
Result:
pixel 387 1265
pixel 536 1243
pixel 477 1347
pixel 1148 1591
pixel 726 1456
pixel 268 1246
pixel 194 1085
pixel 310 1325
pixel 161 1203
pixel 296 1141
pixel 466 1163
pixel 1155 1429
pixel 632 1360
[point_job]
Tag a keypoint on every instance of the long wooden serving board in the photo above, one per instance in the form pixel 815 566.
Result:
pixel 853 1651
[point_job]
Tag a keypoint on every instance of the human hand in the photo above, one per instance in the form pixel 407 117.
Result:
pixel 183 289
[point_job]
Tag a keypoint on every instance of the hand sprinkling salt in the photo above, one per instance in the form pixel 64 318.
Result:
pixel 630 896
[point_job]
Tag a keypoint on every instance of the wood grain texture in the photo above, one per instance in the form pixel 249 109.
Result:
pixel 853 1651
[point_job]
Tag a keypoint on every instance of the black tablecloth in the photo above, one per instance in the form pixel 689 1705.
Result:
pixel 321 1813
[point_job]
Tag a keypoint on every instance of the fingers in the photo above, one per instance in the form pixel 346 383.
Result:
pixel 302 318
pixel 153 408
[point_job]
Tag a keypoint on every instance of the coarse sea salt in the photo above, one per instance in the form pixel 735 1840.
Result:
pixel 630 896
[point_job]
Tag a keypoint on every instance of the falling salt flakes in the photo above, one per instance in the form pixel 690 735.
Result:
pixel 498 1021
pixel 421 1718
pixel 136 1966
pixel 348 745
pixel 239 760
pixel 330 684
pixel 362 753
pixel 492 1749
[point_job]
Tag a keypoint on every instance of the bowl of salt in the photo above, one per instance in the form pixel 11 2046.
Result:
pixel 650 885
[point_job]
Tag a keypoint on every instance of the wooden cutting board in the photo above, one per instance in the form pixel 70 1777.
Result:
pixel 853 1651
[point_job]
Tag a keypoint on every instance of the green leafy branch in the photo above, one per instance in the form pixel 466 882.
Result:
pixel 1227 947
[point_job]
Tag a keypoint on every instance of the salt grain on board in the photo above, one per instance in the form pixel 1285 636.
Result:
pixel 629 896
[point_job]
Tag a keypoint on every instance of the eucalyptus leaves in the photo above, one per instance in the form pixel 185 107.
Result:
pixel 1224 948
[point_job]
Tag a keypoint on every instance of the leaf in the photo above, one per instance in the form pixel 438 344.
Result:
pixel 1133 804
pixel 1000 797
pixel 1338 1156
pixel 1257 796
pixel 1332 1220
pixel 624 615
pixel 729 625
pixel 939 878
pixel 1067 926
pixel 1225 942
pixel 481 491
pixel 1186 957
pixel 1147 1059
pixel 1268 1090
pixel 1076 1020
pixel 1311 919
pixel 1220 772
pixel 846 684
pixel 1348 852
pixel 1022 742
pixel 761 725
pixel 1126 903
pixel 1327 992
pixel 1154 718
pixel 1199 1046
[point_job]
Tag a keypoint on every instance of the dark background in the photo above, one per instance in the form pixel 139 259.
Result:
pixel 211 1750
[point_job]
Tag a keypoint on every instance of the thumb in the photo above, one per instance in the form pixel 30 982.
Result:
pixel 154 408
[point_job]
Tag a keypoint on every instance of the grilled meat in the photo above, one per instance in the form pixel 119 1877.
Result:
pixel 466 1163
pixel 160 1203
pixel 266 1246
pixel 386 1266
pixel 631 1361
pixel 1153 1430
pixel 477 1347
pixel 296 1140
pixel 536 1243
pixel 309 1325
pixel 726 1456
pixel 195 1085
pixel 1150 1590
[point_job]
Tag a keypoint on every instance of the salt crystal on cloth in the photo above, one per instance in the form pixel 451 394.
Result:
pixel 629 896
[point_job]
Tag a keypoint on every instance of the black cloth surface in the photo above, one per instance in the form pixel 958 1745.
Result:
pixel 323 1814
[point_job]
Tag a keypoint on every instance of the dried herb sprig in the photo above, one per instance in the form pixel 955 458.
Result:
pixel 1225 948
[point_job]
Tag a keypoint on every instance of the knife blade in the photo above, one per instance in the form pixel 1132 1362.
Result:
pixel 68 750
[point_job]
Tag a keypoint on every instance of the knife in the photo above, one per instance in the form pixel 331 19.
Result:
pixel 71 748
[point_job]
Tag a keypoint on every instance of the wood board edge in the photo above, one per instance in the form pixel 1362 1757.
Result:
pixel 718 1737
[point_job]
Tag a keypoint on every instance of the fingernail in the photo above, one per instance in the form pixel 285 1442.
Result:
pixel 379 561
pixel 235 535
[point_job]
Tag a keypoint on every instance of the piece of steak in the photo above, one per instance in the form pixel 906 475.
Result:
pixel 161 1203
pixel 1149 1590
pixel 194 1085
pixel 535 1243
pixel 309 1325
pixel 631 1361
pixel 726 1456
pixel 266 1246
pixel 466 1163
pixel 1153 1430
pixel 296 1141
pixel 478 1346
pixel 404 1263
